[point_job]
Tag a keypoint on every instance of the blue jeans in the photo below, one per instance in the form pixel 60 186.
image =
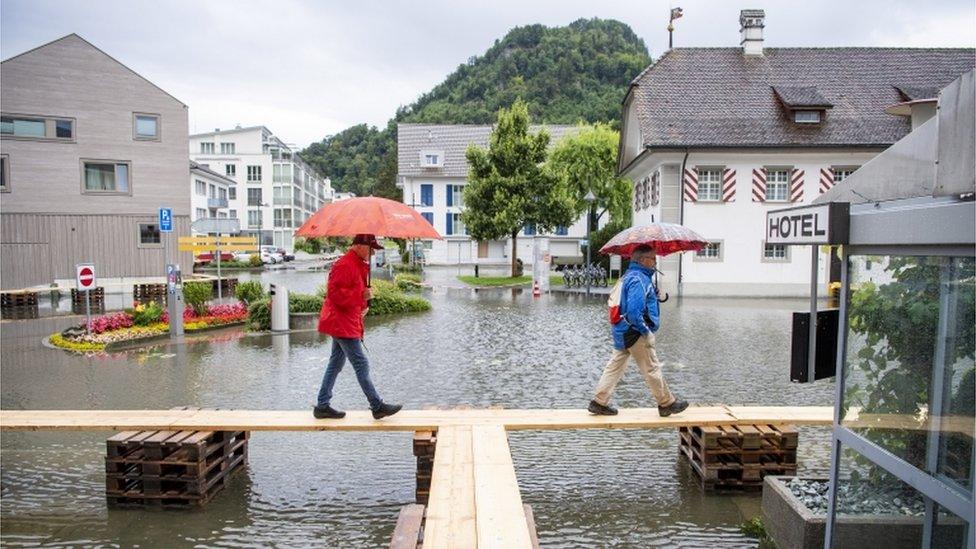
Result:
pixel 352 349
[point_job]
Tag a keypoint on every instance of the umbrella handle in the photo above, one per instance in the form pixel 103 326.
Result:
pixel 666 297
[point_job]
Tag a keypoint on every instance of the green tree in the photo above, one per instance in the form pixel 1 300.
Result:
pixel 507 186
pixel 587 162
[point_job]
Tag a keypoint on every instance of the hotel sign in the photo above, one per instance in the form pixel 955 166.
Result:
pixel 817 224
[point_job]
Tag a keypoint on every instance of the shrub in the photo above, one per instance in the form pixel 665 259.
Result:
pixel 304 303
pixel 250 291
pixel 259 315
pixel 196 295
pixel 320 291
pixel 146 314
pixel 106 323
pixel 387 299
pixel 255 260
pixel 77 346
pixel 407 281
pixel 309 245
pixel 407 268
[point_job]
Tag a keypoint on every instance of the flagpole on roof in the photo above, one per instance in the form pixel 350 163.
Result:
pixel 675 13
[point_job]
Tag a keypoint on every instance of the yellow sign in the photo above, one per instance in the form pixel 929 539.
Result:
pixel 224 243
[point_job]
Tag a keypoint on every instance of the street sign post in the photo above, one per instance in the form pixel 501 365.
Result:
pixel 166 220
pixel 85 280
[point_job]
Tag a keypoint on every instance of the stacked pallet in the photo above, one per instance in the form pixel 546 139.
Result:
pixel 96 301
pixel 228 286
pixel 423 447
pixel 171 468
pixel 737 457
pixel 18 305
pixel 146 293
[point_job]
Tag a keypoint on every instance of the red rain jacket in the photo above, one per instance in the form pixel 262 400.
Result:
pixel 342 310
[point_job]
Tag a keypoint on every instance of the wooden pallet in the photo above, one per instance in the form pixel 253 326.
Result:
pixel 424 444
pixel 228 286
pixel 145 293
pixel 737 458
pixel 18 305
pixel 96 301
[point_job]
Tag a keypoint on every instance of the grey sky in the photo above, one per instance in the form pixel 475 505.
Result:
pixel 307 69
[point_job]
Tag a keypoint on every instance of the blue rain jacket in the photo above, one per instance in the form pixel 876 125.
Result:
pixel 637 297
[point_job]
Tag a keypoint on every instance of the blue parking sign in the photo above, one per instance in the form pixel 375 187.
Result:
pixel 166 220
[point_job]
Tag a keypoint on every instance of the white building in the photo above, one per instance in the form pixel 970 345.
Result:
pixel 713 138
pixel 432 171
pixel 274 190
pixel 209 193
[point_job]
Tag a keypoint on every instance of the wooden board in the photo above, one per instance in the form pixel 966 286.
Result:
pixel 500 515
pixel 451 507
pixel 407 420
pixel 407 531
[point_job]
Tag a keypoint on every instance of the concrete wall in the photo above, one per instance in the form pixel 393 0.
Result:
pixel 49 223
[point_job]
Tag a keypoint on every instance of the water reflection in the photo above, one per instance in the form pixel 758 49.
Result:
pixel 480 348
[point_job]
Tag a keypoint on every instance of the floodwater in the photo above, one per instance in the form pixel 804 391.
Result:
pixel 587 488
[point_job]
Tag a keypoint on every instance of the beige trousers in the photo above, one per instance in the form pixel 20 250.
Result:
pixel 648 364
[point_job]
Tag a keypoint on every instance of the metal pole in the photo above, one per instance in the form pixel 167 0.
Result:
pixel 88 310
pixel 812 353
pixel 835 448
pixel 589 246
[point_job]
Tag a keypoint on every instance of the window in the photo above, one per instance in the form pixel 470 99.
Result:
pixel 232 193
pixel 806 117
pixel 562 231
pixel 775 252
pixel 432 159
pixel 842 173
pixel 455 195
pixel 232 214
pixel 213 191
pixel 426 195
pixel 254 197
pixel 37 127
pixel 201 187
pixel 149 234
pixel 227 148
pixel 254 173
pixel 221 215
pixel 711 252
pixel 777 185
pixel 4 173
pixel 529 229
pixel 201 213
pixel 145 126
pixel 105 177
pixel 230 170
pixel 429 216
pixel 454 224
pixel 206 148
pixel 254 219
pixel 282 217
pixel 222 193
pixel 281 173
pixel 709 185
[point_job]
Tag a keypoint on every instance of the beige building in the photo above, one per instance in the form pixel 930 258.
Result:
pixel 90 152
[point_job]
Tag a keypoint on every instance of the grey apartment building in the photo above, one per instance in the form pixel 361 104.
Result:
pixel 90 151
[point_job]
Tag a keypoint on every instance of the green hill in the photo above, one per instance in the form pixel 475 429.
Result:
pixel 569 74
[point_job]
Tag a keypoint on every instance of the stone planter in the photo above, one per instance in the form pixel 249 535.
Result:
pixel 791 525
pixel 303 321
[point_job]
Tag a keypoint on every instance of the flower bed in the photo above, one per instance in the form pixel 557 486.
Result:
pixel 143 322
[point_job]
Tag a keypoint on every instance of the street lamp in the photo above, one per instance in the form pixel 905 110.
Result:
pixel 589 198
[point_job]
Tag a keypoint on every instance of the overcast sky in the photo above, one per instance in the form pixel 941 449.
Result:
pixel 307 69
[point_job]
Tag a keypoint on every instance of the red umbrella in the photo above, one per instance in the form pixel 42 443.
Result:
pixel 367 215
pixel 665 238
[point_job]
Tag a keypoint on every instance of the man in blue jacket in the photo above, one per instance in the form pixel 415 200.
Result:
pixel 633 336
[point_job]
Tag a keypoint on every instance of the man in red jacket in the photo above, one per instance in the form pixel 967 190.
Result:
pixel 346 303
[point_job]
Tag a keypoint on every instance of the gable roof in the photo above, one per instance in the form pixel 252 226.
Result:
pixel 74 36
pixel 453 140
pixel 194 166
pixel 718 97
pixel 797 97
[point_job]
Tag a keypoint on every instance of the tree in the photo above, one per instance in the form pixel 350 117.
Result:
pixel 587 162
pixel 507 186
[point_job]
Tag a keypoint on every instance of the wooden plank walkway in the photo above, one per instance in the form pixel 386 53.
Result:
pixel 407 420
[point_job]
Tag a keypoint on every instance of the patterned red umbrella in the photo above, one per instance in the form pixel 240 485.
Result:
pixel 367 215
pixel 665 238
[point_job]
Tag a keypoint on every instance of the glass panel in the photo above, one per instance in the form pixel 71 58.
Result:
pixel 148 234
pixel 28 127
pixel 63 129
pixel 948 530
pixel 99 177
pixel 875 508
pixel 122 178
pixel 911 320
pixel 146 126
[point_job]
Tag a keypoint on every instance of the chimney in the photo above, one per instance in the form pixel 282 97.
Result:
pixel 751 23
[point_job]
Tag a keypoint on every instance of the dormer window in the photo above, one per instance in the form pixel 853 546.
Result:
pixel 806 117
pixel 432 159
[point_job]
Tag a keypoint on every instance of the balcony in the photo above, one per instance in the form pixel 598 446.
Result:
pixel 216 202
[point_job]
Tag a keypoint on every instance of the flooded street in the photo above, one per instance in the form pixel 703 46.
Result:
pixel 498 347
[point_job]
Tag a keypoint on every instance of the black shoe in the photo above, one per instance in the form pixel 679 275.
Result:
pixel 327 412
pixel 386 410
pixel 601 410
pixel 676 407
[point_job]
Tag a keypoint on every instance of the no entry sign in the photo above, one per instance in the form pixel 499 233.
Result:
pixel 85 276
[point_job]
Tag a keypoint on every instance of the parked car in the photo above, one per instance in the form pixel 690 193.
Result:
pixel 243 257
pixel 269 254
pixel 285 254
